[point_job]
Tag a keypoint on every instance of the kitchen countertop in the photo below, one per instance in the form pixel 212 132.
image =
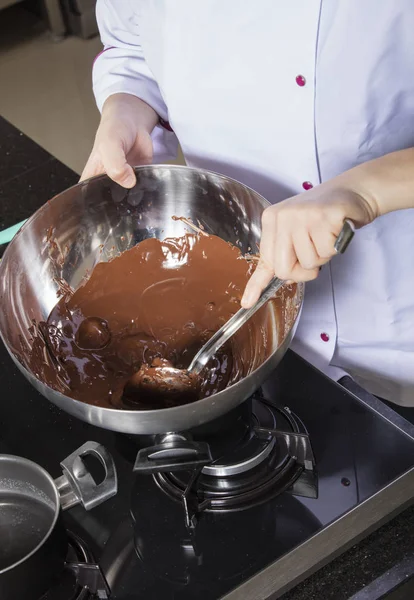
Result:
pixel 28 177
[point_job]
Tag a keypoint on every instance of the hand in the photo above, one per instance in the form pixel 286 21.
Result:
pixel 298 234
pixel 123 139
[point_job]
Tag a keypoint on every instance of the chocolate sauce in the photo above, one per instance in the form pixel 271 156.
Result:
pixel 162 385
pixel 93 334
pixel 158 300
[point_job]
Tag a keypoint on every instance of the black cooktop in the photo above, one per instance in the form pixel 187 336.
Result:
pixel 363 458
pixel 140 538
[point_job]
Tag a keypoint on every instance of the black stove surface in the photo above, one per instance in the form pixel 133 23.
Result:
pixel 67 586
pixel 139 537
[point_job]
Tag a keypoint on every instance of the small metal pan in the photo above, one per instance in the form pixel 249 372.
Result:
pixel 33 540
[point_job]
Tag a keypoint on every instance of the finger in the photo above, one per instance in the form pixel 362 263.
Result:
pixel 267 239
pixel 264 270
pixel 324 243
pixel 299 274
pixel 284 258
pixel 115 164
pixel 305 251
pixel 257 282
pixel 263 275
pixel 142 151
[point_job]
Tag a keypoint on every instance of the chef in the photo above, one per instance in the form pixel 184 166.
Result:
pixel 309 102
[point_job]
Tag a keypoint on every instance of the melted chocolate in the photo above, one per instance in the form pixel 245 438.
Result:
pixel 158 300
pixel 93 334
pixel 161 384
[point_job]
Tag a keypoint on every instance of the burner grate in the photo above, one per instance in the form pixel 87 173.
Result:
pixel 282 461
pixel 82 578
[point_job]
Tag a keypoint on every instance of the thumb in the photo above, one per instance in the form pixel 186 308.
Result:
pixel 93 167
pixel 116 166
pixel 257 282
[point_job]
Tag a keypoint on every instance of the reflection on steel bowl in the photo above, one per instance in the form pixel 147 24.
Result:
pixel 96 221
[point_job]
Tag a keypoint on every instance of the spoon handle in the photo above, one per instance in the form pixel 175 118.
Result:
pixel 345 236
pixel 7 235
pixel 243 314
pixel 233 324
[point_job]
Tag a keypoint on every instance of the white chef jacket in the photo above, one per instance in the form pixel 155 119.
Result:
pixel 283 95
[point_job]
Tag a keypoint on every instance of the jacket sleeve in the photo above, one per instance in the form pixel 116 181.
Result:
pixel 121 67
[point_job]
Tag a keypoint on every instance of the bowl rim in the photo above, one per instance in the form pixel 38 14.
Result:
pixel 179 408
pixel 157 166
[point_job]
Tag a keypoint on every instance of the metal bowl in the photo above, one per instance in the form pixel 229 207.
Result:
pixel 95 221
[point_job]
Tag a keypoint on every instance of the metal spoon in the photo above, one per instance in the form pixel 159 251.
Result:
pixel 180 380
pixel 243 315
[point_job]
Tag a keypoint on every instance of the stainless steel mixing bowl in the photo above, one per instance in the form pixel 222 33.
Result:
pixel 95 221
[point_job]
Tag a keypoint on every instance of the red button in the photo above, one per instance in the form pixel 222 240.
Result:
pixel 324 337
pixel 300 80
pixel 307 185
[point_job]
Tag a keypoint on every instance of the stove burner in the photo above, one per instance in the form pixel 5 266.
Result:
pixel 67 587
pixel 252 450
pixel 81 578
pixel 275 456
pixel 222 470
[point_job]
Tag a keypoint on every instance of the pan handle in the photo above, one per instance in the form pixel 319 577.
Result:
pixel 77 486
pixel 173 453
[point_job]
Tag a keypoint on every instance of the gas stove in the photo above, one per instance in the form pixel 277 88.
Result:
pixel 264 496
pixel 247 458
